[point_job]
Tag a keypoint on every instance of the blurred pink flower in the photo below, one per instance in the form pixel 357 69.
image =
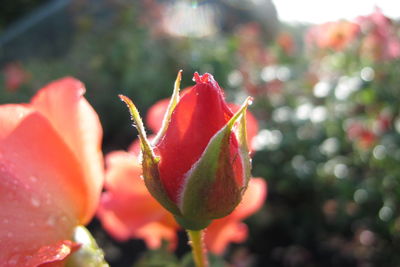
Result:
pixel 332 35
pixel 251 47
pixel 381 41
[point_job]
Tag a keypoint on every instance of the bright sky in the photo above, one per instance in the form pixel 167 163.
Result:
pixel 319 11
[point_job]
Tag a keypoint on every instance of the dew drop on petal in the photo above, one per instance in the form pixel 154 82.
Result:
pixel 51 221
pixel 48 198
pixel 35 202
pixel 12 262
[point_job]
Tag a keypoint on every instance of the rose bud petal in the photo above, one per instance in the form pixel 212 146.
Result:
pixel 198 165
pixel 154 118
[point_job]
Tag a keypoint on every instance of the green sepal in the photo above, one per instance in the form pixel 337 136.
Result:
pixel 200 201
pixel 151 175
pixel 171 106
pixel 89 254
pixel 153 183
pixel 244 149
pixel 192 224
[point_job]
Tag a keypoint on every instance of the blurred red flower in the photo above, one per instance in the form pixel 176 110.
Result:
pixel 51 171
pixel 360 135
pixel 286 42
pixel 14 76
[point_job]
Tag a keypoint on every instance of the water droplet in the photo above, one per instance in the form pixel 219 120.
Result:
pixel 12 262
pixel 35 202
pixel 48 199
pixel 51 221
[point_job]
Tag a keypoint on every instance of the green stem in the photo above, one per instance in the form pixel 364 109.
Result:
pixel 198 249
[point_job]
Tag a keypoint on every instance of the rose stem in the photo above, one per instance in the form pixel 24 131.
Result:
pixel 198 249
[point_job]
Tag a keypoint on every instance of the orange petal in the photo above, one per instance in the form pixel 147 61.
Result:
pixel 62 103
pixel 53 255
pixel 253 199
pixel 123 171
pixel 127 210
pixel 156 113
pixel 223 231
pixel 41 187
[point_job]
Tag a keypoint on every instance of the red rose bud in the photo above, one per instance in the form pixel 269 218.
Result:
pixel 198 166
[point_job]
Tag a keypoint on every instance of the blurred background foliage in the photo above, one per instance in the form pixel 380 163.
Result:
pixel 326 98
